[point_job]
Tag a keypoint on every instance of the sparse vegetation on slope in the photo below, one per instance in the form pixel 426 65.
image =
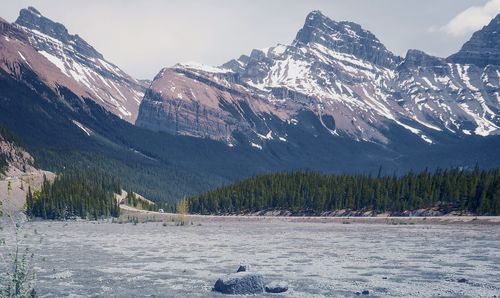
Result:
pixel 138 202
pixel 12 151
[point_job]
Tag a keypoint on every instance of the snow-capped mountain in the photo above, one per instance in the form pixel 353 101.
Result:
pixel 345 37
pixel 459 98
pixel 334 100
pixel 203 101
pixel 99 79
pixel 17 54
pixel 342 74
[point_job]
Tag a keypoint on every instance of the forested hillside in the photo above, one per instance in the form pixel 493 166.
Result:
pixel 86 194
pixel 469 191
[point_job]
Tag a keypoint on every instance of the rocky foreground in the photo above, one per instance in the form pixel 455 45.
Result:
pixel 315 259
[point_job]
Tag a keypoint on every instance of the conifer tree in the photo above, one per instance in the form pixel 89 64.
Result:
pixel 475 191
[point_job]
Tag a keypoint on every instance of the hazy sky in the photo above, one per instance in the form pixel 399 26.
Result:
pixel 143 36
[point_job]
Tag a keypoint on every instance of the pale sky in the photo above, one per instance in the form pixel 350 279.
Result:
pixel 142 37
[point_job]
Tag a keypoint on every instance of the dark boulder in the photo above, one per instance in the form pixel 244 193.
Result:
pixel 276 287
pixel 241 283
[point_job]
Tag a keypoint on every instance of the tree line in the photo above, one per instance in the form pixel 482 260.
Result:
pixel 468 191
pixel 84 193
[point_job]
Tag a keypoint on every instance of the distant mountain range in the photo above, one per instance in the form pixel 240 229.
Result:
pixel 334 100
pixel 344 76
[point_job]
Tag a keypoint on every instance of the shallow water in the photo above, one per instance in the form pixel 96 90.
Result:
pixel 90 259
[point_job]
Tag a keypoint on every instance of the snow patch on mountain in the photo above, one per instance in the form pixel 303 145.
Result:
pixel 202 67
pixel 86 130
pixel 256 146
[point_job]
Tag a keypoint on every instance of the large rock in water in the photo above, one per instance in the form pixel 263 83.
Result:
pixel 240 283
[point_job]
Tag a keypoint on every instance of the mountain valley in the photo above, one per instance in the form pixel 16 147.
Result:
pixel 335 100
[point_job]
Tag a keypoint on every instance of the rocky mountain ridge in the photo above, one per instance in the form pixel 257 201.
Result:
pixel 482 48
pixel 342 74
pixel 99 79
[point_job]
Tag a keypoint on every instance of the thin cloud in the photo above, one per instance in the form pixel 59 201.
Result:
pixel 471 19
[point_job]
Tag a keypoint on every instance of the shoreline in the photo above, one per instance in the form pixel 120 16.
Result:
pixel 391 220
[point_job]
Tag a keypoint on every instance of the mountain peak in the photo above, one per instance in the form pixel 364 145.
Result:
pixel 82 68
pixel 32 19
pixel 345 37
pixel 33 10
pixel 315 14
pixel 415 58
pixel 483 48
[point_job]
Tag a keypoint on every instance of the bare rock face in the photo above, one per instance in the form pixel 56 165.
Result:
pixel 483 48
pixel 99 79
pixel 175 103
pixel 201 101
